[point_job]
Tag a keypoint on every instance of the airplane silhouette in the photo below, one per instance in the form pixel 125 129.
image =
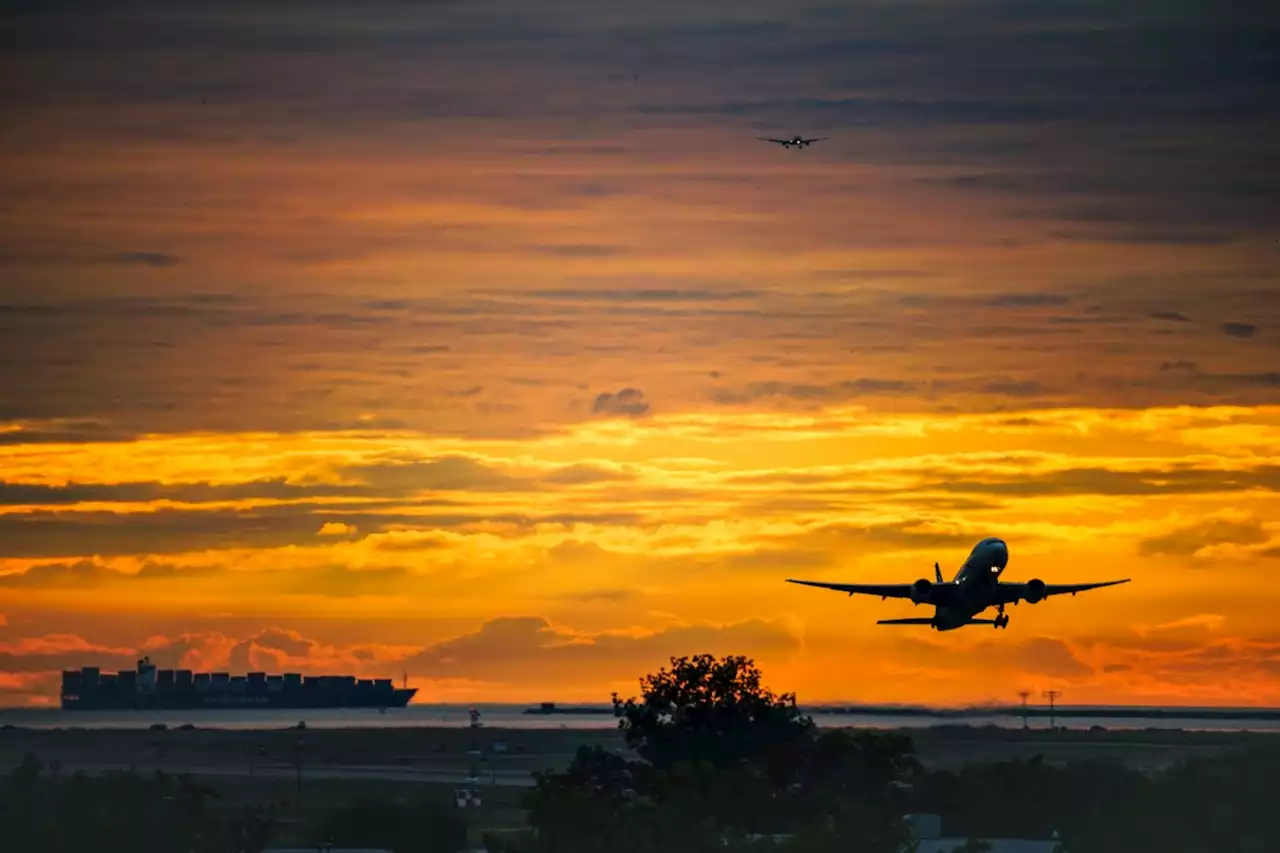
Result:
pixel 793 142
pixel 975 587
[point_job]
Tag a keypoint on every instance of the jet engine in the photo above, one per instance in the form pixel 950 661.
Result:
pixel 920 591
pixel 1034 591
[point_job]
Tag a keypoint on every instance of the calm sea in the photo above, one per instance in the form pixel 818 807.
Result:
pixel 512 716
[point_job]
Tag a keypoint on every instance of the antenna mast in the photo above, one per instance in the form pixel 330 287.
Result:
pixel 1051 695
pixel 1024 694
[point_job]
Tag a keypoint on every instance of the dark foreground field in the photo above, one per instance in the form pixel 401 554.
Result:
pixel 510 755
pixel 336 766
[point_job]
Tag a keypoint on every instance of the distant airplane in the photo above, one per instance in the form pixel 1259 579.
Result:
pixel 976 587
pixel 795 141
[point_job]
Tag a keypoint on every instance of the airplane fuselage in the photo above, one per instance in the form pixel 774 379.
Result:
pixel 975 584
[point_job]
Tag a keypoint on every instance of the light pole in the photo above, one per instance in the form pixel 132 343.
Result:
pixel 1024 694
pixel 1051 695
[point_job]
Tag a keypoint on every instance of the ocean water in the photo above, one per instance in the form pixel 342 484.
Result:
pixel 513 717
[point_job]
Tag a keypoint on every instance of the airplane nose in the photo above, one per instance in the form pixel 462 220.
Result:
pixel 1001 554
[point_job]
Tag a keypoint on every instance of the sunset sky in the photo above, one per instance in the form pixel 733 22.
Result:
pixel 484 341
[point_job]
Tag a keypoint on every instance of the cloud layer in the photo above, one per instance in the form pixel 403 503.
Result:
pixel 581 558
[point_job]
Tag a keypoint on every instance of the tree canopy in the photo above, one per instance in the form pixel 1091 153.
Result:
pixel 713 711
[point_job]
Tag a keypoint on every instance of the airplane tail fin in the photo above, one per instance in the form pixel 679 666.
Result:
pixel 937 572
pixel 905 622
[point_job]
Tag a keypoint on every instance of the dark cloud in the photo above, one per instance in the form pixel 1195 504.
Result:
pixel 150 259
pixel 1084 481
pixel 1239 330
pixel 1186 541
pixel 874 274
pixel 20 494
pixel 810 392
pixel 454 473
pixel 1174 235
pixel 906 535
pixel 46 534
pixel 1225 383
pixel 645 295
pixel 579 250
pixel 1180 364
pixel 62 651
pixel 85 574
pixel 846 389
pixel 1176 316
pixel 387 479
pixel 57 257
pixel 1025 300
pixel 415 541
pixel 58 432
pixel 529 650
pixel 1014 388
pixel 584 474
pixel 165 531
pixel 974 301
pixel 80 575
pixel 628 402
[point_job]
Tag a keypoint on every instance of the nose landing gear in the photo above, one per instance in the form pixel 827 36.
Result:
pixel 1002 618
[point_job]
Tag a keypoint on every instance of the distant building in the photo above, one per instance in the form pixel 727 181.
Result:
pixel 926 831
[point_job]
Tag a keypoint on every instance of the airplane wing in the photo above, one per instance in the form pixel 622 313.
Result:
pixel 1010 593
pixel 815 139
pixel 779 141
pixel 884 590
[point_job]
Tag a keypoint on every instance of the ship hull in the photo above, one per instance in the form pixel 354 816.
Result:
pixel 323 699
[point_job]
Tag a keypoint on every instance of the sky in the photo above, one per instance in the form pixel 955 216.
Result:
pixel 484 342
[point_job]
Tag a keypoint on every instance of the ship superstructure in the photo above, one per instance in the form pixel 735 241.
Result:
pixel 147 686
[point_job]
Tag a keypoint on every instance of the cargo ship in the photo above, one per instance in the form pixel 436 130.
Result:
pixel 88 689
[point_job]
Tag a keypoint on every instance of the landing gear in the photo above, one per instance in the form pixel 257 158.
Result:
pixel 1002 618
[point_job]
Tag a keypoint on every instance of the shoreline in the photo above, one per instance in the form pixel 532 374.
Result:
pixel 587 719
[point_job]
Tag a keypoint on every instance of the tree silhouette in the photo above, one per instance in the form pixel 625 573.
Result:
pixel 714 711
